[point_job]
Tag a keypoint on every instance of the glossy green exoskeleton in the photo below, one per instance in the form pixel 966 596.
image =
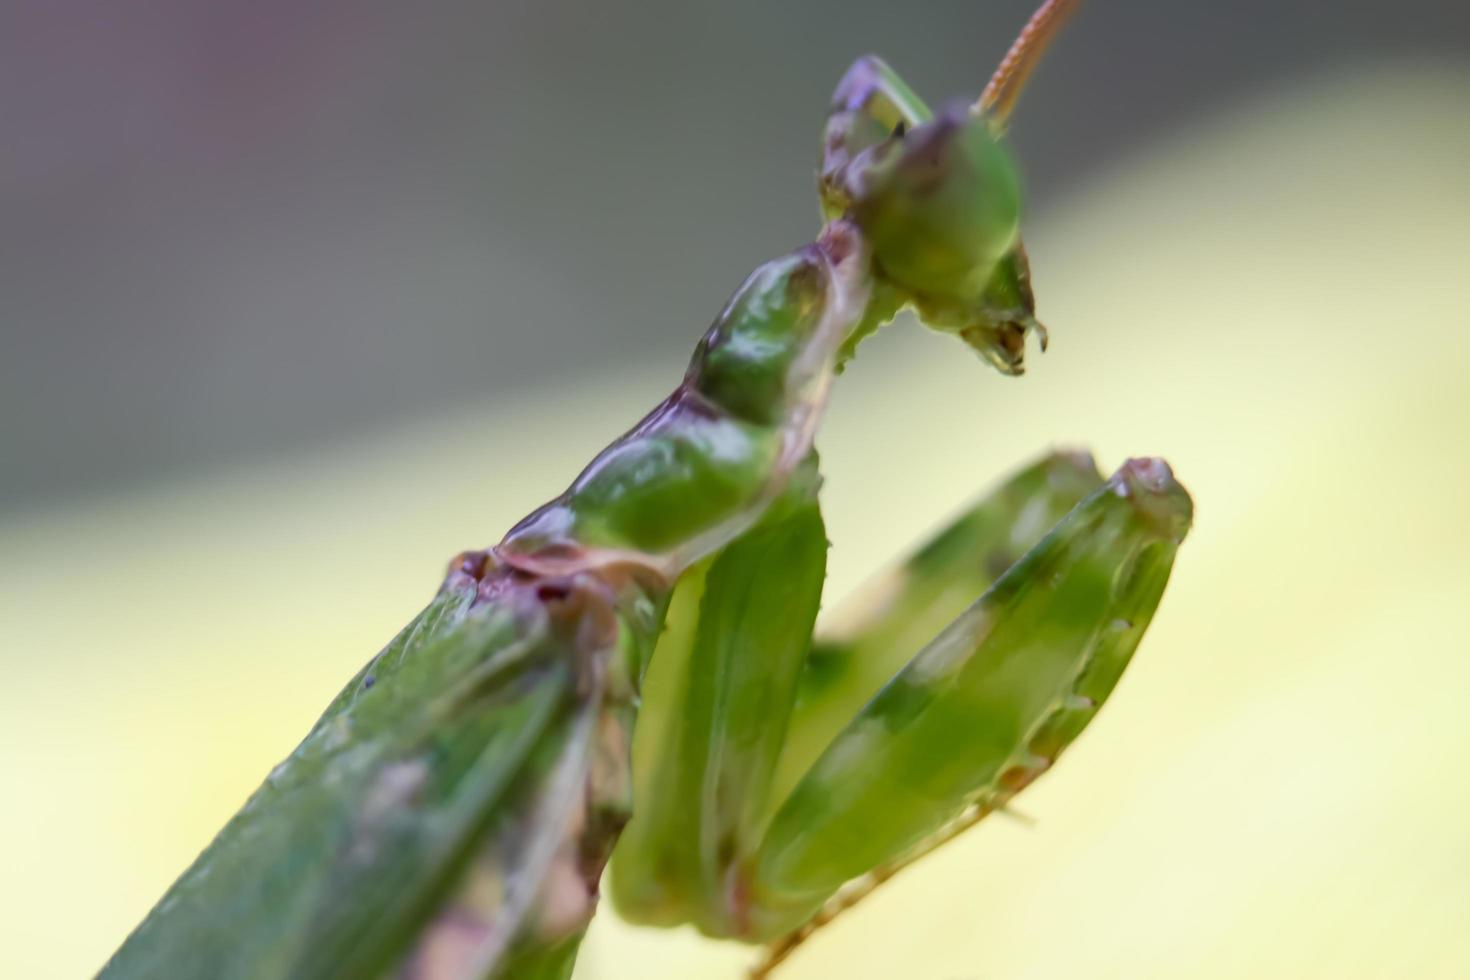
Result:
pixel 632 672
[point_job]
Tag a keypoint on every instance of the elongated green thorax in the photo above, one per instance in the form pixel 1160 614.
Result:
pixel 703 466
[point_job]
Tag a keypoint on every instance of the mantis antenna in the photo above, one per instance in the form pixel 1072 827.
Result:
pixel 1005 86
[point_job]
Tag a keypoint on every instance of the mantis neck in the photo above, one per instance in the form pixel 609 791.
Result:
pixel 711 459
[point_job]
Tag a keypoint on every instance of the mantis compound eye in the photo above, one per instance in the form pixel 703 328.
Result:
pixel 940 205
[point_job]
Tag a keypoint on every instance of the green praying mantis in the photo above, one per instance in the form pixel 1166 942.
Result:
pixel 632 673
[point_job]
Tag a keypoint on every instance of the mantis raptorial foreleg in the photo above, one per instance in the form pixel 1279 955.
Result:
pixel 707 777
pixel 869 636
pixel 969 712
pixel 986 706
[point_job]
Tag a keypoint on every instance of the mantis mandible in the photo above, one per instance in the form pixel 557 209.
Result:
pixel 450 815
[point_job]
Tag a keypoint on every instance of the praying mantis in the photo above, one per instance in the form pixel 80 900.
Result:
pixel 634 674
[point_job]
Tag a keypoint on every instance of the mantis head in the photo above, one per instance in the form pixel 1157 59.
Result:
pixel 937 197
pixel 939 204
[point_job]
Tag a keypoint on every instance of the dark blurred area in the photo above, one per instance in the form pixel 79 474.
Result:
pixel 235 229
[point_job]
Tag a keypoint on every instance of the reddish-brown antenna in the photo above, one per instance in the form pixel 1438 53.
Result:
pixel 1000 96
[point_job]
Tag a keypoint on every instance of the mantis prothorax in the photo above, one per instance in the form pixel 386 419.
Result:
pixel 632 671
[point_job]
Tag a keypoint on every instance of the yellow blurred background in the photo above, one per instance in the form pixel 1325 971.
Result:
pixel 1276 297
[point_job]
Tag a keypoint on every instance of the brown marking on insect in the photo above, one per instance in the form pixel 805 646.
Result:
pixel 553 591
pixel 448 947
pixel 998 562
pixel 924 151
pixel 566 901
pixel 471 563
pixel 572 887
pixel 839 241
pixel 1003 344
pixel 1017 778
pixel 738 902
pixel 688 403
pixel 397 786
pixel 580 608
pixel 561 552
pixel 498 580
pixel 469 569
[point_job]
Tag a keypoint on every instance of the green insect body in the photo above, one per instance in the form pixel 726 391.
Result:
pixel 450 815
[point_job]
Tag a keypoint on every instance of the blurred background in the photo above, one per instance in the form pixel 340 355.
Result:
pixel 296 301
